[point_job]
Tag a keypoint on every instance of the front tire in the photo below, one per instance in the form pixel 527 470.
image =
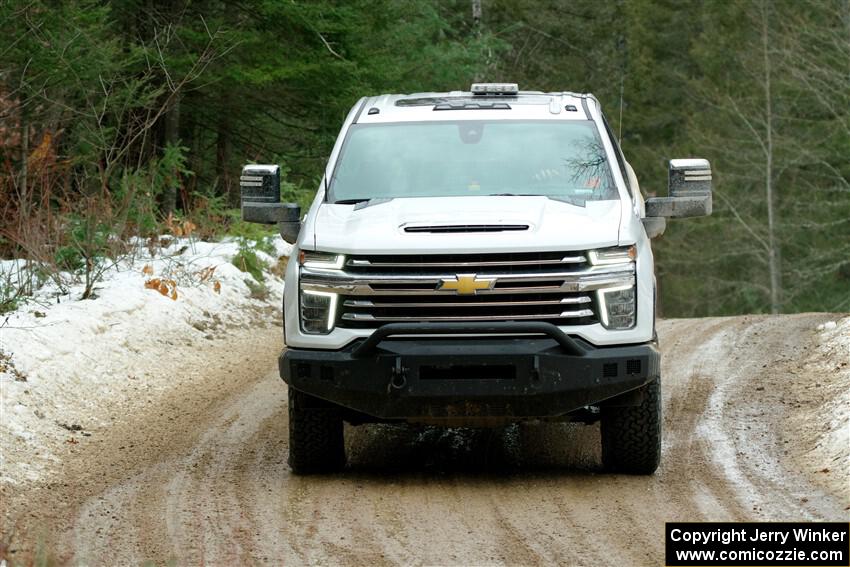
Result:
pixel 631 436
pixel 316 442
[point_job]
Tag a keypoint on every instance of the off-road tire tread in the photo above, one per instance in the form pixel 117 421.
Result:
pixel 316 442
pixel 631 436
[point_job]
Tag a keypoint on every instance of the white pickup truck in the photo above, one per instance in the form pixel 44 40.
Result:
pixel 474 258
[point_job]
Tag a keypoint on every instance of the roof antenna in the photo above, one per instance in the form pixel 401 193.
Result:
pixel 620 126
pixel 622 47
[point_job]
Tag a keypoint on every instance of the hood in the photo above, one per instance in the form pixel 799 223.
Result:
pixel 490 224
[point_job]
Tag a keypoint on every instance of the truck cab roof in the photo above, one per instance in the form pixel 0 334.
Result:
pixel 469 105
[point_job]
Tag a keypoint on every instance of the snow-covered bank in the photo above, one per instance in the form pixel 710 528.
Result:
pixel 832 361
pixel 62 359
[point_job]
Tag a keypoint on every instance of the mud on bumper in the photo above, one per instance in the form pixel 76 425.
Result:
pixel 393 376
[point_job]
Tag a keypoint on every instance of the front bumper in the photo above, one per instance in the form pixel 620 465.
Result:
pixel 399 377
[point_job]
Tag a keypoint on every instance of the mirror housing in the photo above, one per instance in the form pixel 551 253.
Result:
pixel 689 182
pixel 654 226
pixel 260 188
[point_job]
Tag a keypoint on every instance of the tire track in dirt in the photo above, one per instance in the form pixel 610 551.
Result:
pixel 698 351
pixel 218 490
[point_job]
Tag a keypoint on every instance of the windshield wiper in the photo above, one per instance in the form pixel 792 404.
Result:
pixel 577 201
pixel 362 203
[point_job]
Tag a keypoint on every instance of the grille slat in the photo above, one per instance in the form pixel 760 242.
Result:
pixel 508 262
pixel 478 303
pixel 425 264
pixel 412 281
pixel 505 317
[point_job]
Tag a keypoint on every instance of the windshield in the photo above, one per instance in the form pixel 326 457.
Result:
pixel 558 159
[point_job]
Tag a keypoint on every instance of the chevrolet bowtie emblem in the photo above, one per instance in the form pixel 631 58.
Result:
pixel 466 284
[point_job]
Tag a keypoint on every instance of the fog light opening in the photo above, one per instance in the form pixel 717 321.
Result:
pixel 617 307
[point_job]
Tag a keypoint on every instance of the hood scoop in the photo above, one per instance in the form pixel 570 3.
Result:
pixel 455 228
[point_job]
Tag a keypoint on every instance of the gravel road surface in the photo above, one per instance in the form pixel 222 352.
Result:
pixel 201 477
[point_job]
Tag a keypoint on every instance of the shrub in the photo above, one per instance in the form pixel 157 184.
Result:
pixel 10 295
pixel 250 230
pixel 246 259
pixel 210 215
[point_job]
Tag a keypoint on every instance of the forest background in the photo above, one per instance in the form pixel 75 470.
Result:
pixel 130 118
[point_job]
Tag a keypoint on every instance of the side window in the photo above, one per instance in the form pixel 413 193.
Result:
pixel 621 161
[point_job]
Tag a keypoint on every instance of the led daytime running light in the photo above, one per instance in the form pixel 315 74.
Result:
pixel 612 256
pixel 321 260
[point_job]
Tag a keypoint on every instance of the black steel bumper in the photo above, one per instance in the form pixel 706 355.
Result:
pixel 543 373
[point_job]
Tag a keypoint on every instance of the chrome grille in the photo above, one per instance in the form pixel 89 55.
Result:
pixel 556 287
pixel 451 307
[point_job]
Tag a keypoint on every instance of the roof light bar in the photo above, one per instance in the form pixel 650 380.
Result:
pixel 495 88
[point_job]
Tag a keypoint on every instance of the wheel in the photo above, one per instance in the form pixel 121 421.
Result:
pixel 315 435
pixel 631 436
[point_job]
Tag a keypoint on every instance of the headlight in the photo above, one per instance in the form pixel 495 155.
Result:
pixel 321 260
pixel 617 307
pixel 318 312
pixel 607 256
pixel 318 308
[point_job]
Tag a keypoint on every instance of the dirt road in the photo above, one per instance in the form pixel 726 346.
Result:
pixel 202 478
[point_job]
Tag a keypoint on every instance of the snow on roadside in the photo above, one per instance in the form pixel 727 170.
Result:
pixel 833 360
pixel 62 358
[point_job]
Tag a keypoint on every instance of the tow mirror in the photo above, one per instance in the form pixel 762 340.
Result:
pixel 260 187
pixel 689 191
